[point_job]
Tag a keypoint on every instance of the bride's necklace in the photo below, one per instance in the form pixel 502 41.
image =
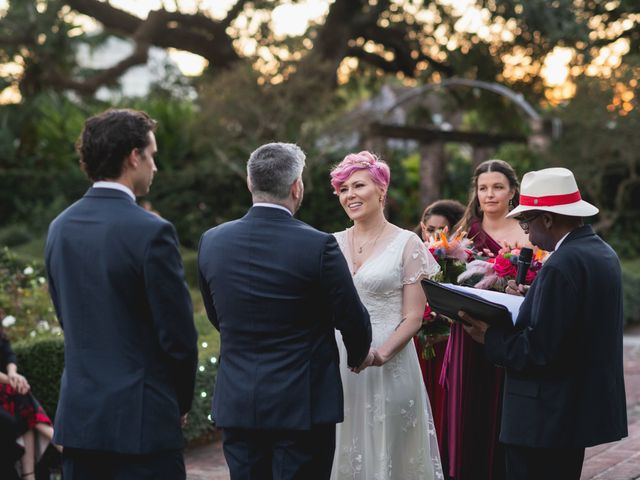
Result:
pixel 364 244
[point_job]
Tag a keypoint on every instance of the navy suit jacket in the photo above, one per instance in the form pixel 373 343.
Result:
pixel 564 386
pixel 117 283
pixel 277 289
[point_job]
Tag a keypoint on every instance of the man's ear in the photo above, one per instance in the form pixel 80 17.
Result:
pixel 547 218
pixel 132 160
pixel 249 185
pixel 296 188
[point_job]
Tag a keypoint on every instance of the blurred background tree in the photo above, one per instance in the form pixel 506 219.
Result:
pixel 314 72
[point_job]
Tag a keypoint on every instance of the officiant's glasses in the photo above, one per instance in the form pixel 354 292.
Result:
pixel 525 221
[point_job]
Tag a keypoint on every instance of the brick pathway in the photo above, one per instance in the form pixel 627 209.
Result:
pixel 612 461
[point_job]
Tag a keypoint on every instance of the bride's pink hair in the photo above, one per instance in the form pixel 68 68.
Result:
pixel 379 170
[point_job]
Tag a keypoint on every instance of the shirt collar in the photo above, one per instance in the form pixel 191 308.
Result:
pixel 115 186
pixel 560 241
pixel 272 205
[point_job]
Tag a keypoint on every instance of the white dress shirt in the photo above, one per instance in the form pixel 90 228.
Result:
pixel 115 186
pixel 272 205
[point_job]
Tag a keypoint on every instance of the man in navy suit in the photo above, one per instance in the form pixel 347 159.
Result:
pixel 277 289
pixel 564 386
pixel 117 283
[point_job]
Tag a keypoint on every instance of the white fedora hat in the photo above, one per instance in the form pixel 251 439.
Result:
pixel 552 190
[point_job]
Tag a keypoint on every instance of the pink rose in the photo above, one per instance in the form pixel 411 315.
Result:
pixel 504 268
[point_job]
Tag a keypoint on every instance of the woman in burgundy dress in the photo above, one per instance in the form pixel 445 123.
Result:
pixel 437 216
pixel 473 386
pixel 17 400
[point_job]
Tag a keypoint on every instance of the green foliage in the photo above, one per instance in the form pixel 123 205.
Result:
pixel 15 234
pixel 41 361
pixel 631 290
pixel 600 144
pixel 25 297
pixel 520 157
pixel 199 425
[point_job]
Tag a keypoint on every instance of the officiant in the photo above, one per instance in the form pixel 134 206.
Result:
pixel 564 387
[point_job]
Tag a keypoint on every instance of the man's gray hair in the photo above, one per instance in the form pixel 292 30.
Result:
pixel 272 169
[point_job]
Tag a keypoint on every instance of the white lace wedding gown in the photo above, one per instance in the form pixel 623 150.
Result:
pixel 388 431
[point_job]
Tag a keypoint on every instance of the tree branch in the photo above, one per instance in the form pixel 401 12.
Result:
pixel 196 33
pixel 233 13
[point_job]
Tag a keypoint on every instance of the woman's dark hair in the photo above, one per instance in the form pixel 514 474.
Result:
pixel 109 137
pixel 473 207
pixel 452 210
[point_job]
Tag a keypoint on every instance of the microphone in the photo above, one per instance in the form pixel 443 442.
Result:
pixel 524 262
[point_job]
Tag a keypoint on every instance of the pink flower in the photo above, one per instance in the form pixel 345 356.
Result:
pixel 427 314
pixel 504 268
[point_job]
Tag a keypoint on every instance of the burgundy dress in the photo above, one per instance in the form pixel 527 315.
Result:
pixel 473 399
pixel 25 408
pixel 431 370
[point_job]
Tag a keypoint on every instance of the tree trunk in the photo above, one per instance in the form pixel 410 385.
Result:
pixel 481 154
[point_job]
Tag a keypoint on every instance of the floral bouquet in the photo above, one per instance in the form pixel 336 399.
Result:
pixel 452 254
pixel 493 272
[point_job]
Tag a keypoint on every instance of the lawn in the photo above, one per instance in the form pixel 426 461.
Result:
pixel 208 337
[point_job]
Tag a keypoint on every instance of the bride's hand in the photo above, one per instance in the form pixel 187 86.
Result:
pixel 367 361
pixel 378 359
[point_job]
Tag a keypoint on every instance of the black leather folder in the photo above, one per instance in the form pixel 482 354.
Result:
pixel 447 301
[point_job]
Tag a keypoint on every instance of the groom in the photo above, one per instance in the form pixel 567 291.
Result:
pixel 276 289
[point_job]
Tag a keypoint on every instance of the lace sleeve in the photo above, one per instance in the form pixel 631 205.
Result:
pixel 417 261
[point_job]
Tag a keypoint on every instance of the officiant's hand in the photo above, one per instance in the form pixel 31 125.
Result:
pixel 367 361
pixel 514 289
pixel 476 328
pixel 184 420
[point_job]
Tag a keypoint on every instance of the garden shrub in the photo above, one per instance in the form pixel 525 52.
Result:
pixel 631 290
pixel 41 361
pixel 25 306
pixel 199 426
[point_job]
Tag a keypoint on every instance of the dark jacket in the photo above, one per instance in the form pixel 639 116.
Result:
pixel 564 386
pixel 276 289
pixel 117 283
pixel 6 353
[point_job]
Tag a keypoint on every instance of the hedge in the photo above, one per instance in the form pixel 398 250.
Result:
pixel 631 290
pixel 41 361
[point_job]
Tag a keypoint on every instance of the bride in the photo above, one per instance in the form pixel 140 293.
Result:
pixel 388 430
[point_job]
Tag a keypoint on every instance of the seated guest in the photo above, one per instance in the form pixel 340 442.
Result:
pixel 10 451
pixel 16 400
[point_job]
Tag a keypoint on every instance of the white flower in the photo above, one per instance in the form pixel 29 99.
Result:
pixel 8 321
pixel 41 280
pixel 43 325
pixel 56 330
pixel 28 271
